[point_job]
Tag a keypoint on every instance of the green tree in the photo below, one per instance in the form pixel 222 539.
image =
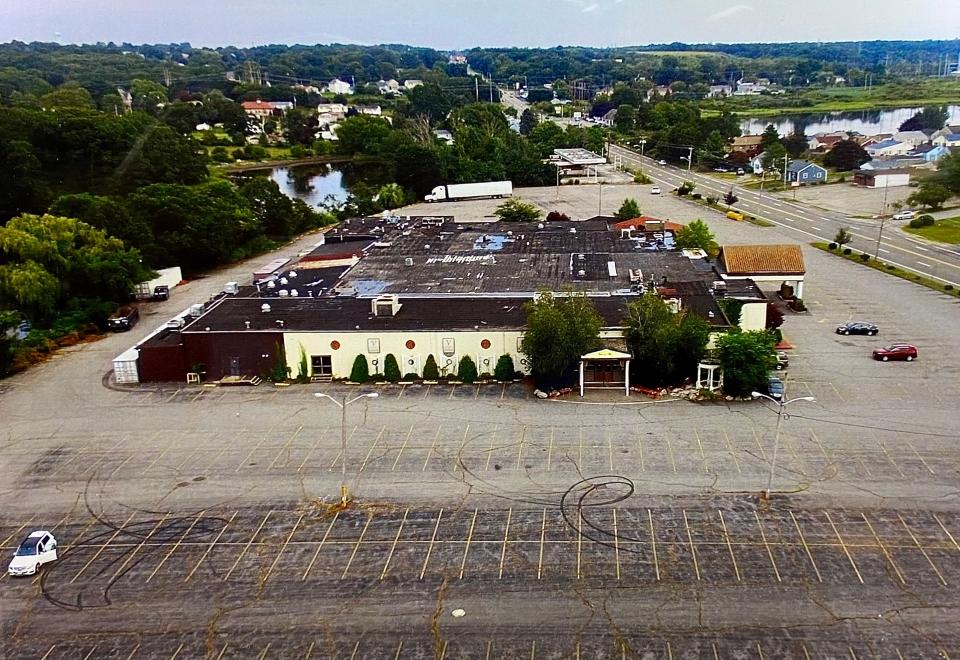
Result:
pixel 68 95
pixel 22 182
pixel 842 237
pixel 272 209
pixel 528 121
pixel 391 196
pixel 430 369
pixel 930 118
pixel 467 370
pixel 930 195
pixel 162 156
pixel 795 143
pixel 559 330
pixel 772 158
pixel 769 137
pixel 746 359
pixel 666 345
pixel 360 373
pixel 431 101
pixel 362 134
pixel 517 210
pixel 696 235
pixel 300 126
pixel 948 173
pixel 504 371
pixel 391 368
pixel 107 213
pixel 628 210
pixel 45 261
pixel 147 95
pixel 846 155
pixel 626 118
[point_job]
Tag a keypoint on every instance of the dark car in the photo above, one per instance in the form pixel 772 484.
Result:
pixel 857 328
pixel 161 292
pixel 123 319
pixel 906 352
pixel 775 387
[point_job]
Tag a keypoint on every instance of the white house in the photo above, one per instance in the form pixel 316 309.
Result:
pixel 717 91
pixel 338 110
pixel 915 138
pixel 373 110
pixel 951 140
pixel 888 148
pixel 888 178
pixel 337 86
pixel 413 83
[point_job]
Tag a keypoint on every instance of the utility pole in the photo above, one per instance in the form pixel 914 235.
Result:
pixel 491 90
pixel 786 161
pixel 690 159
pixel 883 217
pixel 343 403
pixel 476 88
pixel 781 413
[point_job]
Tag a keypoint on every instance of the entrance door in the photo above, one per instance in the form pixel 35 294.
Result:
pixel 235 366
pixel 322 366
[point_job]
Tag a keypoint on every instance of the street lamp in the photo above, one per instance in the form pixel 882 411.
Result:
pixel 643 143
pixel 781 411
pixel 343 403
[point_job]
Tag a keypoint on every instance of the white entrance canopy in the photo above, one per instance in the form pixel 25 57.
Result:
pixel 607 355
pixel 579 157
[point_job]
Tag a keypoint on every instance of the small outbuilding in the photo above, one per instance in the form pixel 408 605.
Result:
pixel 882 178
pixel 782 264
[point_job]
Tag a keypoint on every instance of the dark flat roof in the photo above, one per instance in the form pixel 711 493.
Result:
pixel 458 313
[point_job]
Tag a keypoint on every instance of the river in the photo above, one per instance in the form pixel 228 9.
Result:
pixel 320 184
pixel 866 122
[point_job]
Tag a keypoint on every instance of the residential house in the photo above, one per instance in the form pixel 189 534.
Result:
pixel 307 89
pixel 936 153
pixel 756 164
pixel 804 172
pixel 282 106
pixel 748 144
pixel 337 86
pixel 949 129
pixel 609 118
pixel 373 110
pixel 914 138
pixel 338 110
pixel 388 86
pixel 885 178
pixel 949 140
pixel 892 163
pixel 457 59
pixel 413 83
pixel 660 91
pixel 888 148
pixel 751 88
pixel 259 109
pixel 719 91
pixel 825 142
pixel 445 135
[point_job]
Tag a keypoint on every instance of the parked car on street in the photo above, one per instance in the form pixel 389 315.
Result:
pixel 775 387
pixel 782 361
pixel 39 548
pixel 655 190
pixel 906 352
pixel 123 319
pixel 661 162
pixel 905 215
pixel 857 328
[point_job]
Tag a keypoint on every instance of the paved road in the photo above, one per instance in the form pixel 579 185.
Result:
pixel 939 262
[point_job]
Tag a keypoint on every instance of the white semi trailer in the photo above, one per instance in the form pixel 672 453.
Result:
pixel 450 192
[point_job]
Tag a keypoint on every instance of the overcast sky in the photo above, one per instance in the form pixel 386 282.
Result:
pixel 453 24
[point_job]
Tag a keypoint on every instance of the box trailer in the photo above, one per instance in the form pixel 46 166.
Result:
pixel 159 287
pixel 451 191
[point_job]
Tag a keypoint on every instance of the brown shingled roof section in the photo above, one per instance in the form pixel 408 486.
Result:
pixel 763 259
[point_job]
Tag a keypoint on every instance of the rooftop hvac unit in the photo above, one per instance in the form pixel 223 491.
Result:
pixel 408 261
pixel 231 288
pixel 720 286
pixel 196 310
pixel 265 308
pixel 283 280
pixel 294 293
pixel 292 274
pixel 582 273
pixel 271 284
pixel 283 293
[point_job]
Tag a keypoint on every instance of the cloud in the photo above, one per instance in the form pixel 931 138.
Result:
pixel 728 12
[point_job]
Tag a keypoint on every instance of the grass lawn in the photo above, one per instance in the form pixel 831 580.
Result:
pixel 945 231
pixel 890 269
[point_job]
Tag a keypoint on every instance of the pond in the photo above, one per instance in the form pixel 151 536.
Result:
pixel 866 122
pixel 317 184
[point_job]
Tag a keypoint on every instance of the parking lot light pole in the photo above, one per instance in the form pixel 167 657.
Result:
pixel 781 412
pixel 343 403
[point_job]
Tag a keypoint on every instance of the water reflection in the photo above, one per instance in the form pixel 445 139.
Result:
pixel 867 122
pixel 318 185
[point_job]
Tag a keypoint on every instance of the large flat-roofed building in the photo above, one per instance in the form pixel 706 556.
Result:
pixel 420 286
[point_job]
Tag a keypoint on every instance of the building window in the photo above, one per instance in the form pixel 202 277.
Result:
pixel 373 346
pixel 520 344
pixel 448 346
pixel 322 365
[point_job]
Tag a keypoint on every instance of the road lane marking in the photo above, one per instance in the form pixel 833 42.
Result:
pixel 920 548
pixel 543 534
pixel 175 546
pixel 433 539
pixel 763 536
pixel 210 547
pixel 843 545
pixel 726 537
pixel 466 548
pixel 320 546
pixel 506 535
pixel 247 546
pixel 815 228
pixel 356 546
pixel 693 550
pixel 393 547
pixel 920 263
pixel 885 251
pixel 280 551
pixel 653 545
pixel 102 548
pixel 402 447
pixel 616 542
pixel 806 547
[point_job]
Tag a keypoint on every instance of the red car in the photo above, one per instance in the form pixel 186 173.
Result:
pixel 906 352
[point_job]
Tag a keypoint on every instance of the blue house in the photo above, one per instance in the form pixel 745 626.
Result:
pixel 935 154
pixel 805 172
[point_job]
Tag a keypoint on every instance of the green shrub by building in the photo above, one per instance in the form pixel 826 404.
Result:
pixel 391 369
pixel 467 370
pixel 504 370
pixel 361 371
pixel 430 369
